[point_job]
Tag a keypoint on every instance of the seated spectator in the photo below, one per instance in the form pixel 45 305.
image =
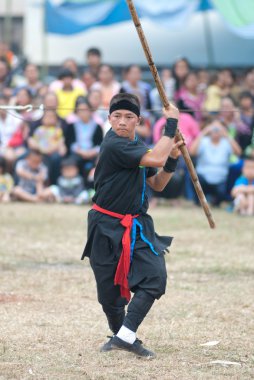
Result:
pixel 48 139
pixel 67 95
pixel 190 130
pixel 213 148
pixel 86 136
pixel 6 182
pixel 243 190
pixel 32 175
pixel 230 117
pixel 69 64
pixel 13 134
pixel 93 60
pixel 23 97
pixel 70 186
pixel 191 98
pixel 106 84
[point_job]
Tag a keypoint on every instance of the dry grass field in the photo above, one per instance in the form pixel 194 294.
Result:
pixel 51 326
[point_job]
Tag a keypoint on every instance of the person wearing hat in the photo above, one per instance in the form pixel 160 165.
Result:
pixel 67 95
pixel 125 252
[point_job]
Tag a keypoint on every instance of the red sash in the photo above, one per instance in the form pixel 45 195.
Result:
pixel 123 267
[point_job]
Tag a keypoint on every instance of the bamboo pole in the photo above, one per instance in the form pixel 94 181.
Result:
pixel 166 104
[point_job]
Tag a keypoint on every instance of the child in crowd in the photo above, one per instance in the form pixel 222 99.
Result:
pixel 48 139
pixel 32 175
pixel 70 186
pixel 243 190
pixel 6 182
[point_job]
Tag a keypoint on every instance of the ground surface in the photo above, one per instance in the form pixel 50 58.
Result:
pixel 51 325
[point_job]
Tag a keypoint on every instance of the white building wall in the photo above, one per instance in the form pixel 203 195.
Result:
pixel 120 45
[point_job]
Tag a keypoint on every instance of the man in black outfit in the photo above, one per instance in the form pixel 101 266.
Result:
pixel 125 252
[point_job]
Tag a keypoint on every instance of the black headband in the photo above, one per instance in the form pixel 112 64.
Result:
pixel 124 105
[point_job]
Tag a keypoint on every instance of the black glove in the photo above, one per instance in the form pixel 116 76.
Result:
pixel 171 127
pixel 170 165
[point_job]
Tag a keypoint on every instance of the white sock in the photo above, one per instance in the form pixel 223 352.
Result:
pixel 127 335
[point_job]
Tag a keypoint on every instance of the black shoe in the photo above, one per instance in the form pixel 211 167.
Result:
pixel 136 348
pixel 107 346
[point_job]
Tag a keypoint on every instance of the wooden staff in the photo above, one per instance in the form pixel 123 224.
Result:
pixel 166 104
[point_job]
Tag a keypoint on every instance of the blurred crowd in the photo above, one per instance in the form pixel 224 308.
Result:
pixel 51 131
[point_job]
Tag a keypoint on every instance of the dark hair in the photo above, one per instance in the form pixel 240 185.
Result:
pixel 108 66
pixel 3 164
pixel 245 94
pixel 125 96
pixel 93 51
pixel 70 161
pixel 82 100
pixel 27 90
pixel 4 97
pixel 65 73
pixel 34 152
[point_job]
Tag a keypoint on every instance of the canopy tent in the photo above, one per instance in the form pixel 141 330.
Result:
pixel 74 16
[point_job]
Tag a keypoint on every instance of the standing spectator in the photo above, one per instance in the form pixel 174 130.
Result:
pixel 6 182
pixel 30 80
pixel 246 109
pixel 106 84
pixel 243 190
pixel 203 80
pixel 169 86
pixel 88 79
pixel 191 98
pixel 5 78
pixel 93 60
pixel 67 95
pixel 249 83
pixel 180 70
pixel 48 139
pixel 134 85
pixel 95 99
pixel 32 175
pixel 213 148
pixel 8 55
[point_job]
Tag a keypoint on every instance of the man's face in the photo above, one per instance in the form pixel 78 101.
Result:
pixel 123 123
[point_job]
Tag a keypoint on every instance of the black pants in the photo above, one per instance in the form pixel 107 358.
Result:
pixel 145 291
pixel 147 276
pixel 217 192
pixel 137 309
